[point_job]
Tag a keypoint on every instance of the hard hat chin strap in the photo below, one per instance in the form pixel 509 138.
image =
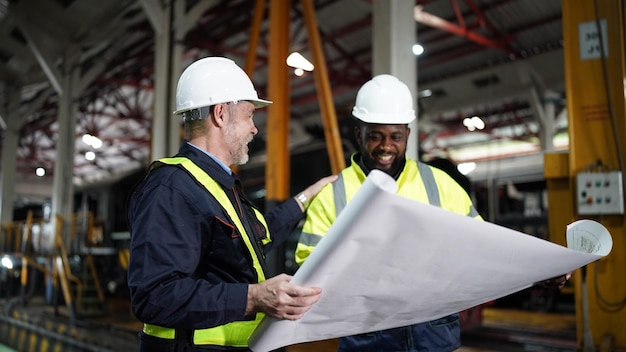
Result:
pixel 202 112
pixel 196 114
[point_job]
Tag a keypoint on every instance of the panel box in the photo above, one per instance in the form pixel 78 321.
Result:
pixel 599 193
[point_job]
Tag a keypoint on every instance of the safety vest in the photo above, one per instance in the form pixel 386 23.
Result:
pixel 234 334
pixel 417 181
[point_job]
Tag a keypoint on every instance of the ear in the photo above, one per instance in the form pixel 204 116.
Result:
pixel 357 134
pixel 219 118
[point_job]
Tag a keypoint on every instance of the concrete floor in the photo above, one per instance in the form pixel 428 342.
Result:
pixel 500 329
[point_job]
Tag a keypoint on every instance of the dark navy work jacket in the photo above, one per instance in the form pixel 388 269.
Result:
pixel 189 269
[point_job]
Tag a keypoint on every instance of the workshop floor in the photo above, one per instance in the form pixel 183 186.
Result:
pixel 500 329
pixel 508 330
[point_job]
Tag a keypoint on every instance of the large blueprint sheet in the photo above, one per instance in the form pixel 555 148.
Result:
pixel 389 261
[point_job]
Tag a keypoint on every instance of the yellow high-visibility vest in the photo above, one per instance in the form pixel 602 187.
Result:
pixel 234 334
pixel 417 181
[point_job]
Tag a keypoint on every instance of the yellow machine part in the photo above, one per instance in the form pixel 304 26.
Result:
pixel 596 106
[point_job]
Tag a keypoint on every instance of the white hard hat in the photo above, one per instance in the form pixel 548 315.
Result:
pixel 384 100
pixel 214 80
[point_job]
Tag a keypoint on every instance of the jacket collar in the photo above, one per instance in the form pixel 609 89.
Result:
pixel 209 165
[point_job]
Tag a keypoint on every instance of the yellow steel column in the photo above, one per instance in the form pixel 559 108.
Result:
pixel 595 90
pixel 255 31
pixel 556 173
pixel 277 168
pixel 329 116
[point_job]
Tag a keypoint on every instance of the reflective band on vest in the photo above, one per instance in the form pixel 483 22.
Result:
pixel 216 190
pixel 351 179
pixel 417 181
pixel 233 334
pixel 157 331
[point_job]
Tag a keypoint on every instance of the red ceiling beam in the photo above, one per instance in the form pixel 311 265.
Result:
pixel 428 19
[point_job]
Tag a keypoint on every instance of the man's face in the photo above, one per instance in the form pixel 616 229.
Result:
pixel 240 130
pixel 383 147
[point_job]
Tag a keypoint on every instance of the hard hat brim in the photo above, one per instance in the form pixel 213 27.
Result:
pixel 385 119
pixel 260 103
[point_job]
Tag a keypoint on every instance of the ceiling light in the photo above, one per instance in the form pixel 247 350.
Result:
pixel 466 168
pixel 425 93
pixel 92 141
pixel 90 155
pixel 298 72
pixel 296 60
pixel 418 49
pixel 478 122
pixel 473 123
pixel 6 262
pixel 40 171
pixel 467 122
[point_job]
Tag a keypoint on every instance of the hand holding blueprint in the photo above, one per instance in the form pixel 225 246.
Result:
pixel 389 261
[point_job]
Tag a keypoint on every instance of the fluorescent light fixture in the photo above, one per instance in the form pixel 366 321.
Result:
pixel 425 93
pixel 418 49
pixel 92 141
pixel 6 262
pixel 473 123
pixel 296 60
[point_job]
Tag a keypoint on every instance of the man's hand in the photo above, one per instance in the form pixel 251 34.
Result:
pixel 311 191
pixel 279 299
pixel 558 281
pixel 315 188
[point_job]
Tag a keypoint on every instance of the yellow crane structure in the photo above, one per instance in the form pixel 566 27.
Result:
pixel 595 86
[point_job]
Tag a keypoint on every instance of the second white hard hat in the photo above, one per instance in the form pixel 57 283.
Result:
pixel 214 80
pixel 384 100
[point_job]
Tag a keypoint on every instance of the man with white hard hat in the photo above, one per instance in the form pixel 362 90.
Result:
pixel 383 109
pixel 197 272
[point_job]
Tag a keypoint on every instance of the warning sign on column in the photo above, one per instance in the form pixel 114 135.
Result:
pixel 590 38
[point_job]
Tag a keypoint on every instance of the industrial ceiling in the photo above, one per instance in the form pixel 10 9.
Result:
pixel 498 59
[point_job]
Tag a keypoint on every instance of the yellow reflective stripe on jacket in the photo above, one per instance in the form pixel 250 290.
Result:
pixel 418 181
pixel 414 183
pixel 216 190
pixel 234 334
pixel 261 218
pixel 157 331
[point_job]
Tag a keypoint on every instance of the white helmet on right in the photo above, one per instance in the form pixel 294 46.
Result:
pixel 384 100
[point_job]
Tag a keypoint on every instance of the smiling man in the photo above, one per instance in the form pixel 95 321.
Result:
pixel 384 108
pixel 197 273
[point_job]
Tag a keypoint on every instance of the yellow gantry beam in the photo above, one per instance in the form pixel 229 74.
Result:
pixel 278 167
pixel 594 43
pixel 255 31
pixel 329 116
pixel 278 163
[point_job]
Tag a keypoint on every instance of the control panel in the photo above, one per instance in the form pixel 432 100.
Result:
pixel 599 193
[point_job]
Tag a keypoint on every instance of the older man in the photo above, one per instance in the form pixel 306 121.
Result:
pixel 197 271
